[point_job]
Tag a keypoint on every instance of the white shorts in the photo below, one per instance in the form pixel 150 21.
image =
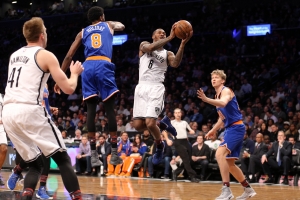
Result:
pixel 3 138
pixel 148 100
pixel 30 128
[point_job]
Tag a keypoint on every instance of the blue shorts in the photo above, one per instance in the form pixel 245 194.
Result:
pixel 233 140
pixel 98 76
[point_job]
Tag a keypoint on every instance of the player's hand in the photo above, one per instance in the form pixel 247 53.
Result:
pixel 172 33
pixel 264 159
pixel 188 37
pixel 210 134
pixel 56 89
pixel 76 68
pixel 54 110
pixel 201 95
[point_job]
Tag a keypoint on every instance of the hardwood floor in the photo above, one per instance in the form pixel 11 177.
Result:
pixel 136 188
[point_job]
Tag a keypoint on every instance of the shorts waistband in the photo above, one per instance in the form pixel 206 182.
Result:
pixel 236 123
pixel 98 58
pixel 150 82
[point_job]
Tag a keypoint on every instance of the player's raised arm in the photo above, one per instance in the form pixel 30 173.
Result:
pixel 222 102
pixel 47 60
pixel 159 36
pixel 75 45
pixel 116 26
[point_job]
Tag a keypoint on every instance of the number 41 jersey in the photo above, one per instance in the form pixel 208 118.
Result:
pixel 26 80
pixel 153 66
pixel 97 40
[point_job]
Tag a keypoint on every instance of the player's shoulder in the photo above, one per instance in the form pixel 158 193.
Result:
pixel 143 43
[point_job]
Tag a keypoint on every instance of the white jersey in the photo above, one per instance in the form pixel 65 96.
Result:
pixel 153 66
pixel 26 80
pixel 1 106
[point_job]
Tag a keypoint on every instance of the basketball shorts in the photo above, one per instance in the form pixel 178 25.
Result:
pixel 97 77
pixel 148 100
pixel 233 140
pixel 30 128
pixel 3 139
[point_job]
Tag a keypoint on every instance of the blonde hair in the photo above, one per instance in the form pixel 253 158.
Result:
pixel 220 73
pixel 33 28
pixel 177 109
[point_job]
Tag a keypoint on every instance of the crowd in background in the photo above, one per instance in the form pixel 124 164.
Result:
pixel 260 70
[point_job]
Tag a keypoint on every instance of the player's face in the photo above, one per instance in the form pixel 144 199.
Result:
pixel 216 80
pixel 44 37
pixel 159 34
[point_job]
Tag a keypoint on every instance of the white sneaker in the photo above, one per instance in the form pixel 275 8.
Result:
pixel 226 194
pixel 248 193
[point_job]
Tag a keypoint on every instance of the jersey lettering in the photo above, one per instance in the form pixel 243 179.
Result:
pixel 96 40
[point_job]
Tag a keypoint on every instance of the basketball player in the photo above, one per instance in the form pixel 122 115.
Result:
pixel 98 76
pixel 3 140
pixel 182 146
pixel 21 164
pixel 26 121
pixel 149 93
pixel 229 150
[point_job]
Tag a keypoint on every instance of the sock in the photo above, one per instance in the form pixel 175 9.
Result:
pixel 245 183
pixel 226 184
pixel 113 141
pixel 43 180
pixel 76 195
pixel 159 144
pixel 18 170
pixel 27 192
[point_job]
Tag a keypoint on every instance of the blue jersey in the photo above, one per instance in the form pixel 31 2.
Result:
pixel 97 40
pixel 46 101
pixel 230 113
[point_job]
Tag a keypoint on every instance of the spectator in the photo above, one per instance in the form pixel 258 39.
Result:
pixel 74 107
pixel 129 127
pixel 200 155
pixel 104 149
pixel 213 143
pixel 84 156
pixel 147 138
pixel 279 156
pixel 78 135
pixel 120 126
pixel 196 117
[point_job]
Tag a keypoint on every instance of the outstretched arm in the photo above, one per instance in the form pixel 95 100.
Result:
pixel 222 102
pixel 75 45
pixel 116 26
pixel 175 61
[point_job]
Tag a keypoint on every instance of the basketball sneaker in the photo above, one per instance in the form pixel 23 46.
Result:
pixel 165 124
pixel 248 193
pixel 95 162
pixel 226 194
pixel 12 181
pixel 158 155
pixel 115 159
pixel 42 193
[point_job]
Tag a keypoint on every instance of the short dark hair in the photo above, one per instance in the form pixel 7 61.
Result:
pixel 94 13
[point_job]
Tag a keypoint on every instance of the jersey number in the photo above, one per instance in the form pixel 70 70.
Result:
pixel 96 40
pixel 150 64
pixel 11 79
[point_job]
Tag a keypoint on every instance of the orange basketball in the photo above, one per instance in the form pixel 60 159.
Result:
pixel 183 27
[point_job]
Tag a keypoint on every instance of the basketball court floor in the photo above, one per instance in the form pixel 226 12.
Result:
pixel 117 188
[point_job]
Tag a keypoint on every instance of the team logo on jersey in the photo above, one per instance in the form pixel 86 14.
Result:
pixel 157 110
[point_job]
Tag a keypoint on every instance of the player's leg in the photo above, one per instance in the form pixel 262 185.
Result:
pixel 3 149
pixel 42 192
pixel 112 128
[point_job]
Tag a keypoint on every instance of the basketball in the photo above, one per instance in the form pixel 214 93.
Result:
pixel 183 27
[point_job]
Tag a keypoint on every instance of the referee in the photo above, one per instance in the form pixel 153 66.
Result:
pixel 182 146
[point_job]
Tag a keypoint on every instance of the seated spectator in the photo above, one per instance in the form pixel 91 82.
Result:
pixel 69 128
pixel 147 138
pixel 165 161
pixel 200 155
pixel 104 149
pixel 213 143
pixel 294 144
pixel 274 132
pixel 252 165
pixel 78 135
pixel 267 141
pixel 84 155
pixel 279 156
pixel 73 96
pixel 124 150
pixel 196 116
pixel 104 126
pixel 247 149
pixel 97 135
pixel 292 132
pixel 74 108
pixel 129 127
pixel 192 134
pixel 120 126
pixel 264 129
pixel 75 119
pixel 64 134
pixel 138 148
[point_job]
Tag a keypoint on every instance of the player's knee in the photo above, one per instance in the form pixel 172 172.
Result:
pixel 221 153
pixel 3 148
pixel 138 125
pixel 151 123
